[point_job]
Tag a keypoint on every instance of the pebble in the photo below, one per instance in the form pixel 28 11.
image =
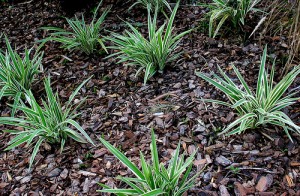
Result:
pixel 208 159
pixel 264 183
pixel 254 152
pixel 25 179
pixel 191 149
pixel 239 189
pixel 223 119
pixel 53 188
pixel 64 174
pixel 249 138
pixel 198 92
pixel 54 173
pixel 86 173
pixel 191 84
pixel 237 147
pixel 18 178
pixel 159 122
pixel 246 63
pixel 223 191
pixel 174 137
pixel 75 182
pixel 207 176
pixel 101 93
pixel 86 187
pixel 123 119
pixel 200 162
pixel 177 85
pixel 204 141
pixel 116 72
pixel 182 129
pixel 50 158
pixel 197 129
pixel 221 160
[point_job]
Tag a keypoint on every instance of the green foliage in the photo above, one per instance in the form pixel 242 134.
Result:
pixel 150 54
pixel 154 179
pixel 82 36
pixel 154 4
pixel 234 11
pixel 51 123
pixel 16 73
pixel 234 170
pixel 259 108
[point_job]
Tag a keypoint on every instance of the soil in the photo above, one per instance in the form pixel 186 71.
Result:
pixel 123 110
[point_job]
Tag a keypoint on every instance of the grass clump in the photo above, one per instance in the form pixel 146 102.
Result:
pixel 234 11
pixel 155 178
pixel 150 54
pixel 52 123
pixel 258 108
pixel 17 74
pixel 83 36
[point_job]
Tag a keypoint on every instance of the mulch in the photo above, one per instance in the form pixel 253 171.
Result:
pixel 123 110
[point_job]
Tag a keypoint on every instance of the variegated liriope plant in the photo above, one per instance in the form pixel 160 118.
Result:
pixel 150 54
pixel 49 122
pixel 18 73
pixel 261 107
pixel 83 36
pixel 231 12
pixel 154 179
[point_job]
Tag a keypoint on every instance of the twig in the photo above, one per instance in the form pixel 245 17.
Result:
pixel 254 168
pixel 172 93
pixel 215 146
pixel 25 2
pixel 267 136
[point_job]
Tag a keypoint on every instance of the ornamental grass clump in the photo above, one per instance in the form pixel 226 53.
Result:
pixel 83 36
pixel 259 108
pixel 150 54
pixel 52 122
pixel 17 74
pixel 233 11
pixel 155 178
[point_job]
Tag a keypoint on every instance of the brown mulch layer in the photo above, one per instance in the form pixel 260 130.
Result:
pixel 122 110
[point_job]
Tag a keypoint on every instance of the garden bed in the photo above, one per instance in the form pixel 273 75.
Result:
pixel 123 110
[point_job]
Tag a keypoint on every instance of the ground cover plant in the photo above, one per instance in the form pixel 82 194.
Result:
pixel 232 12
pixel 150 54
pixel 155 178
pixel 261 107
pixel 50 122
pixel 17 74
pixel 83 36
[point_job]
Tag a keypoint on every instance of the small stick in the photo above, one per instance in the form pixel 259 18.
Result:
pixel 172 93
pixel 255 168
pixel 215 146
pixel 267 136
pixel 25 2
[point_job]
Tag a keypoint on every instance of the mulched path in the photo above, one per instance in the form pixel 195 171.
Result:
pixel 122 110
